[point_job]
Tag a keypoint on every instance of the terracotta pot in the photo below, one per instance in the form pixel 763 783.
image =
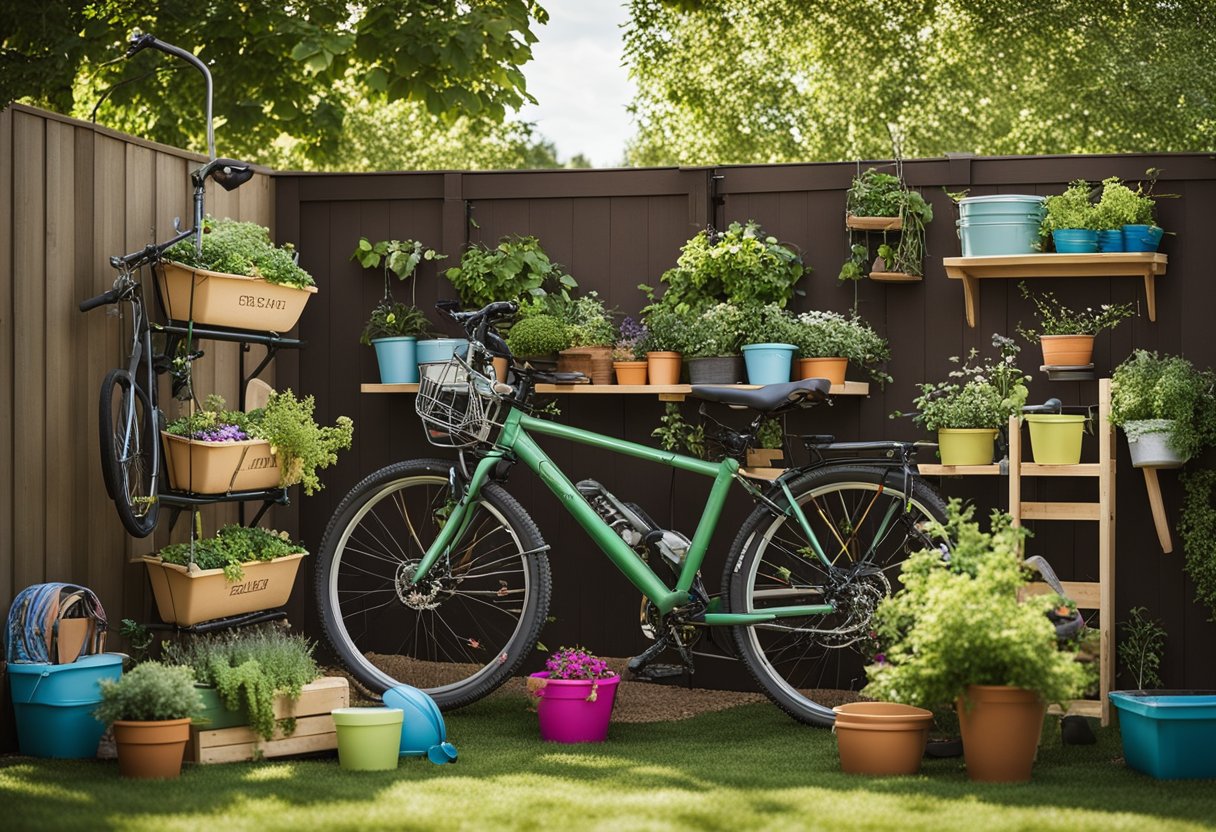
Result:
pixel 833 369
pixel 593 362
pixel 663 367
pixel 881 738
pixel 630 372
pixel 1067 350
pixel 231 300
pixel 151 749
pixel 1001 727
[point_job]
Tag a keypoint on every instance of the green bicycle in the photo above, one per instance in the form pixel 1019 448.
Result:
pixel 431 574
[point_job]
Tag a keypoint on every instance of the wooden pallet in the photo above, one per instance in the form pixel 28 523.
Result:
pixel 314 728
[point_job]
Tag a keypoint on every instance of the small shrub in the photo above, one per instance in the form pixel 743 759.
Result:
pixel 539 334
pixel 150 692
pixel 232 546
pixel 1071 209
pixel 243 248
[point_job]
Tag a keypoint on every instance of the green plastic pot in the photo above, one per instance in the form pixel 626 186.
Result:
pixel 966 446
pixel 369 739
pixel 1055 438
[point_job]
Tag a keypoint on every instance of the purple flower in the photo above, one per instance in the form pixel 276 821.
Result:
pixel 220 433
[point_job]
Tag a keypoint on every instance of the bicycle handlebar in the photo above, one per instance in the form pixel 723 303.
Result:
pixel 104 298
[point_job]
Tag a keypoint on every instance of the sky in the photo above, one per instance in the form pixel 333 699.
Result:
pixel 577 77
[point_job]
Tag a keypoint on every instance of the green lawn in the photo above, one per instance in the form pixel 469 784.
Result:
pixel 740 770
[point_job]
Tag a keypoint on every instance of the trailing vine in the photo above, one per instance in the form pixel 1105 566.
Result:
pixel 1197 526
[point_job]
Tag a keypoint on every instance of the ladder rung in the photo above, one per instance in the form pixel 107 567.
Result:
pixel 1083 469
pixel 1061 511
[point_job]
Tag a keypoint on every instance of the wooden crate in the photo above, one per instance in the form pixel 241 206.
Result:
pixel 314 728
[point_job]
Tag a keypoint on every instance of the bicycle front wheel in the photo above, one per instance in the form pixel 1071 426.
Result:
pixel 127 437
pixel 859 519
pixel 463 630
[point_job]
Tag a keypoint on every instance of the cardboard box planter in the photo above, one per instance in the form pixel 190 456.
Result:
pixel 231 300
pixel 219 467
pixel 186 598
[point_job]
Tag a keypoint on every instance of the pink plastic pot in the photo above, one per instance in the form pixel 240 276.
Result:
pixel 566 715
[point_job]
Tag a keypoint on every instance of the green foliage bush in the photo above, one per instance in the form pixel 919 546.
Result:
pixel 149 692
pixel 302 446
pixel 393 319
pixel 232 546
pixel 992 391
pixel 1071 209
pixel 769 323
pixel 1197 527
pixel 588 322
pixel 243 248
pixel 539 334
pixel 1120 205
pixel 1141 643
pixel 821 334
pixel 717 332
pixel 517 269
pixel 1169 394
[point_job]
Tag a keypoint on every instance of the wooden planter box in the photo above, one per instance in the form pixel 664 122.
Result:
pixel 219 467
pixel 186 598
pixel 230 300
pixel 314 728
pixel 593 362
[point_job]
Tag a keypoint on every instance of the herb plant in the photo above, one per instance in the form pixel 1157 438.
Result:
pixel 876 194
pixel 1120 205
pixel 831 335
pixel 666 327
pixel 232 546
pixel 393 319
pixel 539 334
pixel 630 341
pixel 517 269
pixel 1166 394
pixel 1071 209
pixel 243 248
pixel 991 391
pixel 768 324
pixel 149 692
pixel 717 332
pixel 302 446
pixel 389 318
pixel 588 323
pixel 1057 319
pixel 1141 642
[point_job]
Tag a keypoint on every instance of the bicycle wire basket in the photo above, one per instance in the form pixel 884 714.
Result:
pixel 457 405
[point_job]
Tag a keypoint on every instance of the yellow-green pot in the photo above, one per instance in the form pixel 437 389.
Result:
pixel 1055 438
pixel 966 446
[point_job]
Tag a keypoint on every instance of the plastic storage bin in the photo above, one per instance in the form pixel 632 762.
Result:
pixel 54 705
pixel 1169 734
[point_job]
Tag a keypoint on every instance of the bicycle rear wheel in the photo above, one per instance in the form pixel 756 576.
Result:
pixel 857 514
pixel 127 437
pixel 467 627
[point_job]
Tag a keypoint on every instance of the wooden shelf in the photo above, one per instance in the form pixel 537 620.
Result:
pixel 959 470
pixel 1148 265
pixel 1029 469
pixel 873 223
pixel 895 277
pixel 665 392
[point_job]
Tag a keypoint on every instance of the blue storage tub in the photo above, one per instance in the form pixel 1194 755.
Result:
pixel 1169 734
pixel 54 705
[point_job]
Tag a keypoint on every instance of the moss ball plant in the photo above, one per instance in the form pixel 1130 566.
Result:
pixel 538 334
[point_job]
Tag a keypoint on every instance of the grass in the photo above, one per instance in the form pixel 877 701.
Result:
pixel 743 769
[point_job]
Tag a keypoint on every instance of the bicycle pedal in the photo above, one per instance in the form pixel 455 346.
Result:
pixel 654 672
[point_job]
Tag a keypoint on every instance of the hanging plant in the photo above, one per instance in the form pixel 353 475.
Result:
pixel 883 195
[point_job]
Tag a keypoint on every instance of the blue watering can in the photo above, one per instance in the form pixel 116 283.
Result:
pixel 423 733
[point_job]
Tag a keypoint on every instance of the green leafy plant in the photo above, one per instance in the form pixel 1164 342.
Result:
pixel 538 335
pixel 1071 209
pixel 675 433
pixel 517 269
pixel 959 622
pixel 390 319
pixel 149 692
pixel 1120 205
pixel 717 332
pixel 1166 394
pixel 302 446
pixel 667 328
pixel 740 265
pixel 249 668
pixel 820 334
pixel 1141 643
pixel 771 434
pixel 589 323
pixel 991 392
pixel 768 324
pixel 138 637
pixel 232 546
pixel 244 248
pixel 1057 319
pixel 393 319
pixel 1197 527
pixel 876 194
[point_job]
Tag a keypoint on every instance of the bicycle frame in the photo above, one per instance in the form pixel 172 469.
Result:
pixel 141 351
pixel 516 442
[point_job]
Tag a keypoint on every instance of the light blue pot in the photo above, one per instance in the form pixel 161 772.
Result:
pixel 1141 237
pixel 54 705
pixel 437 350
pixel 1110 240
pixel 973 207
pixel 398 359
pixel 986 239
pixel 769 363
pixel 1075 240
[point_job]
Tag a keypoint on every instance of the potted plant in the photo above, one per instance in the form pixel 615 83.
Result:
pixel 714 338
pixel 968 416
pixel 958 633
pixel 1066 335
pixel 150 709
pixel 591 334
pixel 1072 220
pixel 517 269
pixel 574 696
pixel 1126 218
pixel 768 350
pixel 239 570
pixel 239 279
pixel 1165 406
pixel 881 203
pixel 394 328
pixel 827 342
pixel 537 338
pixel 629 352
pixel 666 339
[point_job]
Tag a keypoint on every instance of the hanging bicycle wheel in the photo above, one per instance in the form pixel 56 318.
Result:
pixel 463 630
pixel 858 517
pixel 129 454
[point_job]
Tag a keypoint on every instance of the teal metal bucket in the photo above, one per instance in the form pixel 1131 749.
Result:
pixel 54 704
pixel 987 239
pixel 973 207
pixel 1168 734
pixel 398 359
pixel 769 363
pixel 1075 241
pixel 437 350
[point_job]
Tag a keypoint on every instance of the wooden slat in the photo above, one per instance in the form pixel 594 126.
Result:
pixel 895 277
pixel 239 734
pixel 873 223
pixel 1082 469
pixel 1087 595
pixel 932 470
pixel 1107 494
pixel 1157 504
pixel 1083 707
pixel 1060 511
pixel 305 741
pixel 8 491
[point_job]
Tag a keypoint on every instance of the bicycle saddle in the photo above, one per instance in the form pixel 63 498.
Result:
pixel 768 398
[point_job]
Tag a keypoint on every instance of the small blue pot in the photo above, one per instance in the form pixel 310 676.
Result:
pixel 1075 241
pixel 398 359
pixel 1141 237
pixel 1110 240
pixel 769 363
pixel 437 350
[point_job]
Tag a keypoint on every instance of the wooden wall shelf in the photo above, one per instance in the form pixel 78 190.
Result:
pixel 1148 265
pixel 665 392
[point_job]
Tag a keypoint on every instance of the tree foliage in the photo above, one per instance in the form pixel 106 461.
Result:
pixel 280 69
pixel 722 81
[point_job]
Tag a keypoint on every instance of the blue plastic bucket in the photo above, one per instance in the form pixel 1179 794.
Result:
pixel 54 704
pixel 1141 237
pixel 1110 240
pixel 423 733
pixel 991 239
pixel 436 350
pixel 980 206
pixel 1075 240
pixel 1169 734
pixel 769 363
pixel 398 359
